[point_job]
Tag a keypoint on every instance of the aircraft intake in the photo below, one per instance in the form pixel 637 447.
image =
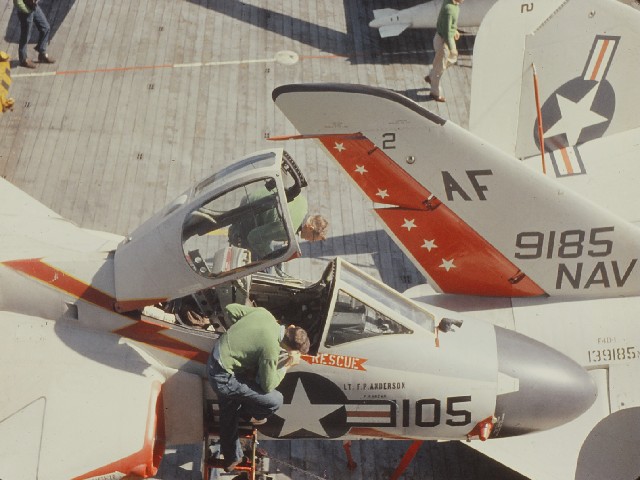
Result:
pixel 551 388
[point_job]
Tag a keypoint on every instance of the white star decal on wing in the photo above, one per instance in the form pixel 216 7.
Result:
pixel 340 147
pixel 361 170
pixel 429 244
pixel 447 264
pixel 302 414
pixel 574 116
pixel 409 224
pixel 382 193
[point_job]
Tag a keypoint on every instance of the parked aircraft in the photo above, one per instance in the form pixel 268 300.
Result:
pixel 391 22
pixel 507 244
pixel 96 381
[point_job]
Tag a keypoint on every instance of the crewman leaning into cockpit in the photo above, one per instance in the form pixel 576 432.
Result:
pixel 258 233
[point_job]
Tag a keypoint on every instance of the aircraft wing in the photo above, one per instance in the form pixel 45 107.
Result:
pixel 587 77
pixel 75 403
pixel 473 219
pixel 25 223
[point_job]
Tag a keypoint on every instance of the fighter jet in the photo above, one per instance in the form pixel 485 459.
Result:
pixel 551 255
pixel 391 22
pixel 103 365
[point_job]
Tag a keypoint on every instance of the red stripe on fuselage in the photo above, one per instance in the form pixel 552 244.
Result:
pixel 150 333
pixel 140 331
pixel 36 268
pixel 360 413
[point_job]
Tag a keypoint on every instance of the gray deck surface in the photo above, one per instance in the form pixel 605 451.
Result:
pixel 150 96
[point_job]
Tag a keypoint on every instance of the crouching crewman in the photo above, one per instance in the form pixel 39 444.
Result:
pixel 246 365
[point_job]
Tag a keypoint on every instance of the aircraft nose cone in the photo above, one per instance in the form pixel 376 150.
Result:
pixel 548 389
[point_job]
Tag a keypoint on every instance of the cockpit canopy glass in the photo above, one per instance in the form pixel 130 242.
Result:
pixel 241 226
pixel 254 162
pixel 355 320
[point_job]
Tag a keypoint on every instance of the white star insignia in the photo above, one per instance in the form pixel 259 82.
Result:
pixel 302 414
pixel 447 264
pixel 361 170
pixel 429 244
pixel 340 147
pixel 575 116
pixel 382 193
pixel 409 224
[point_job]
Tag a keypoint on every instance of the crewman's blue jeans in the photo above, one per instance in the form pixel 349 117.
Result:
pixel 26 23
pixel 238 398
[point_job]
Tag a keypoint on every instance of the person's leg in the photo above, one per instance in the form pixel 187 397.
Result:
pixel 439 64
pixel 44 28
pixel 26 22
pixel 238 398
pixel 229 441
pixel 256 403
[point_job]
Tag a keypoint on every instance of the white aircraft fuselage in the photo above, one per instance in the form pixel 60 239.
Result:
pixel 85 364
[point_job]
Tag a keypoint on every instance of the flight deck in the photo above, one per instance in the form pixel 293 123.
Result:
pixel 147 98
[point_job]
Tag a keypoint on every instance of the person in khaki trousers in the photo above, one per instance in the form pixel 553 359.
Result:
pixel 444 44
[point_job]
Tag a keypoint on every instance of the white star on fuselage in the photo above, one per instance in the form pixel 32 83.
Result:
pixel 429 244
pixel 574 116
pixel 360 169
pixel 382 193
pixel 302 414
pixel 447 264
pixel 339 146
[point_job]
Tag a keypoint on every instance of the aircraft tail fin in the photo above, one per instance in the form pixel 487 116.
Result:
pixel 583 97
pixel 587 81
pixel 472 219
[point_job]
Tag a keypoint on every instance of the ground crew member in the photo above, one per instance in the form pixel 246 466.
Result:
pixel 246 365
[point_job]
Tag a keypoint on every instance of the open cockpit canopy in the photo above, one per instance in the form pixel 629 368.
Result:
pixel 235 222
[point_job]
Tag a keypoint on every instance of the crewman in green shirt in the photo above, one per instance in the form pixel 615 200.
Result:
pixel 444 44
pixel 246 365
pixel 258 232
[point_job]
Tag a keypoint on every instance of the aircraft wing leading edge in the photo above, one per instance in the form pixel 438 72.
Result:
pixel 26 225
pixel 544 238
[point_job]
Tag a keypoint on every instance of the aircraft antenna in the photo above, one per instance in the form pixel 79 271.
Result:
pixel 539 113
